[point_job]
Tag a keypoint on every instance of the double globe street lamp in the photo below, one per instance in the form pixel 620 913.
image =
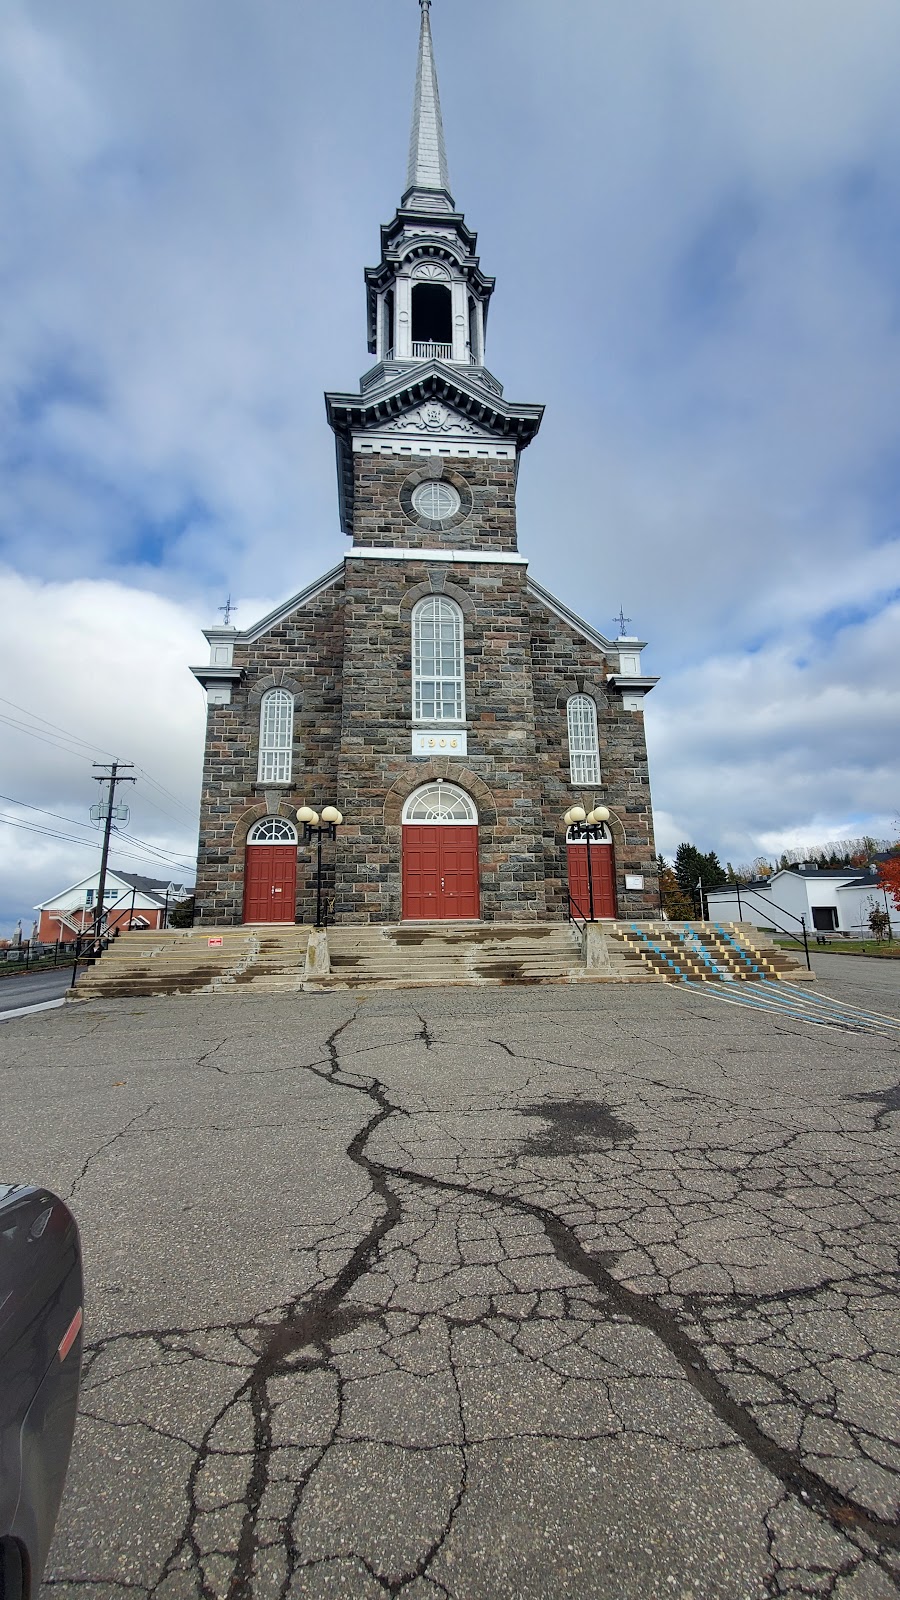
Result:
pixel 313 824
pixel 586 827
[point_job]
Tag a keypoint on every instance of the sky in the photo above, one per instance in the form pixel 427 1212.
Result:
pixel 693 214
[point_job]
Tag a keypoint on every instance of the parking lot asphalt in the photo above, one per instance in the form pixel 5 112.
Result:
pixel 583 1293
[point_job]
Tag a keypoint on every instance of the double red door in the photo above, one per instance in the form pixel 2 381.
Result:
pixel 440 873
pixel 270 883
pixel 602 883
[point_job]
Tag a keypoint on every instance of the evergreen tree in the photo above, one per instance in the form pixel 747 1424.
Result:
pixel 693 867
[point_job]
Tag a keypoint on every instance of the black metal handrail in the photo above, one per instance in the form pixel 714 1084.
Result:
pixel 576 913
pixel 769 903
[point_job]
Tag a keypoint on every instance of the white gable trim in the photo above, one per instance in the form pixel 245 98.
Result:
pixel 91 882
pixel 576 623
pixel 296 603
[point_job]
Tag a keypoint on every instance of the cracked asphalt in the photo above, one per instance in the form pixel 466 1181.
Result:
pixel 535 1292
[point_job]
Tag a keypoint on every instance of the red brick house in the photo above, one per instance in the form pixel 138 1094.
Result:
pixel 130 901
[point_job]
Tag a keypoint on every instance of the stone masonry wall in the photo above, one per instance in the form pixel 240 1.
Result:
pixel 383 516
pixel 305 655
pixel 565 664
pixel 376 769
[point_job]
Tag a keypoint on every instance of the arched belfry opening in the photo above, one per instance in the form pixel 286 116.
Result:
pixel 432 316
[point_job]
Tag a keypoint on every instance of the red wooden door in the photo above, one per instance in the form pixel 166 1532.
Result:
pixel 270 883
pixel 603 882
pixel 440 873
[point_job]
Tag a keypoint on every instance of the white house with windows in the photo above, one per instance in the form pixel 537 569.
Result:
pixel 835 901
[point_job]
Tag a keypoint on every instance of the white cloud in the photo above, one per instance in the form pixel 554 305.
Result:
pixel 107 664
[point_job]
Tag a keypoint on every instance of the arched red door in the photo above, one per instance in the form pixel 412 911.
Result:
pixel 440 856
pixel 597 893
pixel 270 872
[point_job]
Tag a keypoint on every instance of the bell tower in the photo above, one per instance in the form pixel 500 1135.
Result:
pixel 420 446
pixel 428 298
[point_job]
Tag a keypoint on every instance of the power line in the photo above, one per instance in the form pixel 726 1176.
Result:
pixel 167 792
pixel 55 725
pixel 76 739
pixel 73 822
pixel 132 838
pixel 68 838
pixel 45 738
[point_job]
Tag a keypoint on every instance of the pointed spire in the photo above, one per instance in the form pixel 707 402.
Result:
pixel 427 153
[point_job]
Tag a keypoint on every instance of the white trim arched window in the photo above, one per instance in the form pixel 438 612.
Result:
pixel 440 802
pixel 437 661
pixel 272 830
pixel 276 736
pixel 584 749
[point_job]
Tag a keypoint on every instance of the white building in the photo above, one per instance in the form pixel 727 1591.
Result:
pixel 835 900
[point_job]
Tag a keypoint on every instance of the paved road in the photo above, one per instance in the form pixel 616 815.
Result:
pixel 33 988
pixel 483 1294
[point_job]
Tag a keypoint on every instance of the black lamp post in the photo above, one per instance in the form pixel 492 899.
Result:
pixel 314 825
pixel 586 828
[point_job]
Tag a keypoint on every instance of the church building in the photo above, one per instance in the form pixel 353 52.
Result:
pixel 428 686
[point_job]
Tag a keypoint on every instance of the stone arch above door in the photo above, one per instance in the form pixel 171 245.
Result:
pixel 255 814
pixel 443 767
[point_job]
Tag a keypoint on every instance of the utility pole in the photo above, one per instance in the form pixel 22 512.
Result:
pixel 112 777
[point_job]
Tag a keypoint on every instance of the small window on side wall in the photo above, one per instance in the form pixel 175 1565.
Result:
pixel 584 750
pixel 276 736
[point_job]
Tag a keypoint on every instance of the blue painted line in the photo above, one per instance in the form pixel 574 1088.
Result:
pixel 775 1004
pixel 825 1000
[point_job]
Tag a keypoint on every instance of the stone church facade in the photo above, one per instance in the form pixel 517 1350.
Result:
pixel 427 686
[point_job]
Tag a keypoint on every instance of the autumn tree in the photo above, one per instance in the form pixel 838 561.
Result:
pixel 673 901
pixel 889 877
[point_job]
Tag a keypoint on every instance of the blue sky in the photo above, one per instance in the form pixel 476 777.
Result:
pixel 692 211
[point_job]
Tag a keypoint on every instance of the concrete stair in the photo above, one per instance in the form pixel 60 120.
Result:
pixel 707 952
pixel 279 966
pixel 417 954
pixel 174 961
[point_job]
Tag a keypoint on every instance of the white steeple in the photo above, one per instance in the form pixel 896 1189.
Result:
pixel 427 169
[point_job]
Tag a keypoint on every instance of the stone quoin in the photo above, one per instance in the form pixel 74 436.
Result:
pixel 427 685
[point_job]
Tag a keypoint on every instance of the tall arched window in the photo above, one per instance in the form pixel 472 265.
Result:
pixel 584 750
pixel 276 736
pixel 437 661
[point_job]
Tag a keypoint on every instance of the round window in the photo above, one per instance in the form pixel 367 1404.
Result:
pixel 435 500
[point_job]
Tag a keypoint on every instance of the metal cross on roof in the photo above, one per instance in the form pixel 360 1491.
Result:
pixel 227 609
pixel 623 622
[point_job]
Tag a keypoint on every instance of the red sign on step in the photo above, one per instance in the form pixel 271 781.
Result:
pixel 217 942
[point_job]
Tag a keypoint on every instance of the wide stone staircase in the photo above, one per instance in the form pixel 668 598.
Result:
pixel 420 953
pixel 173 961
pixel 270 960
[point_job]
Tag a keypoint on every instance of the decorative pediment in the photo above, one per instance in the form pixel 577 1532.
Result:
pixel 433 417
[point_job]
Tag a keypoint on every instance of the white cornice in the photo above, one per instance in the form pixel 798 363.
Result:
pixel 429 444
pixel 394 553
